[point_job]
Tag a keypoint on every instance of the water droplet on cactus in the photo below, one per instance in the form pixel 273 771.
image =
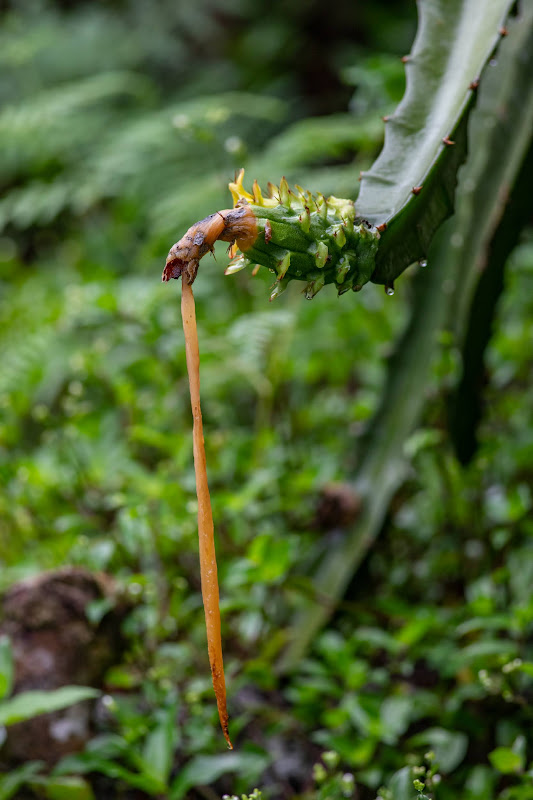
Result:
pixel 389 289
pixel 423 262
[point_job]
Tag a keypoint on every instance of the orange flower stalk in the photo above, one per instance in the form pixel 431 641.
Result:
pixel 229 225
pixel 208 563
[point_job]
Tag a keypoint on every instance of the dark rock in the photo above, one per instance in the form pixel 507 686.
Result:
pixel 55 644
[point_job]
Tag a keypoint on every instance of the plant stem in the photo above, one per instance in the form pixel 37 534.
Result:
pixel 208 563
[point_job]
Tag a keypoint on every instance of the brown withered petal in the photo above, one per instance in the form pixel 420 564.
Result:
pixel 230 225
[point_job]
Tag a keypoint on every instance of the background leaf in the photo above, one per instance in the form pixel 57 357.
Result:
pixel 30 704
pixel 6 667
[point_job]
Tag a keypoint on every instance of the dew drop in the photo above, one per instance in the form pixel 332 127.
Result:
pixel 423 262
pixel 493 62
pixel 389 289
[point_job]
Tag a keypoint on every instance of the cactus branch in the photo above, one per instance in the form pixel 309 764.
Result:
pixel 456 256
pixel 404 197
pixel 411 186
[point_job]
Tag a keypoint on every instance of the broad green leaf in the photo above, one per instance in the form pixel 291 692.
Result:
pixel 204 770
pixel 395 716
pixel 271 555
pixel 6 667
pixel 122 677
pixel 401 785
pixel 480 783
pixel 107 746
pixel 68 788
pixel 12 781
pixel 449 746
pixel 87 762
pixel 30 704
pixel 159 747
pixel 505 760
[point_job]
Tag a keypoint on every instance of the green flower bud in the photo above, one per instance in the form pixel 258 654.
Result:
pixel 298 234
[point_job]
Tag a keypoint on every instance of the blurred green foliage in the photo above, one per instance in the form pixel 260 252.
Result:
pixel 121 124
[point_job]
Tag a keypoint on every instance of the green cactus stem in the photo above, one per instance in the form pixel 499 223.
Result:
pixel 404 197
pixel 410 189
